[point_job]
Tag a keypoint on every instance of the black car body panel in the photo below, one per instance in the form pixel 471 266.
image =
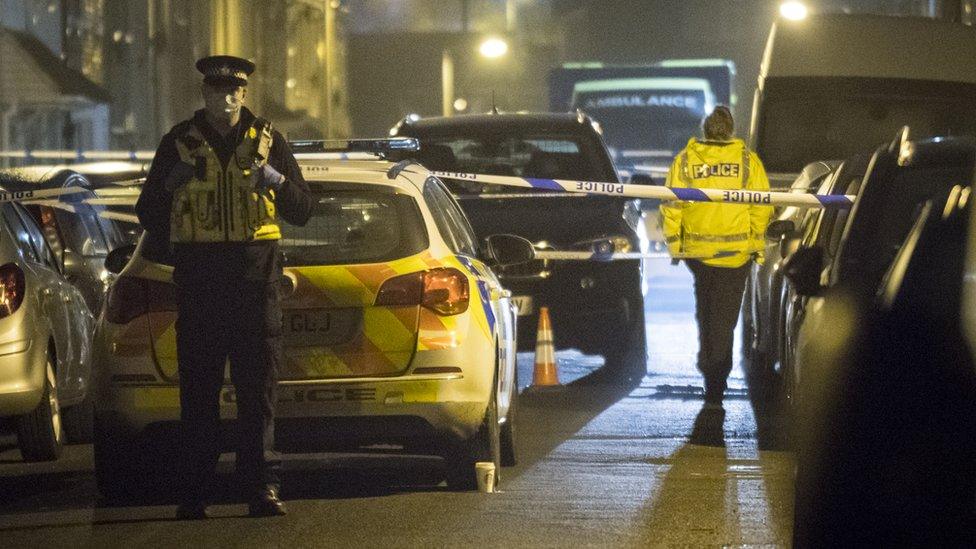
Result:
pixel 900 179
pixel 888 445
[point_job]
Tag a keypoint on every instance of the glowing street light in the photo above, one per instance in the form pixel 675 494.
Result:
pixel 493 48
pixel 794 11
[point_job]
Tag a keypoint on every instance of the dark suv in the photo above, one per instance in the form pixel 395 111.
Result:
pixel 597 307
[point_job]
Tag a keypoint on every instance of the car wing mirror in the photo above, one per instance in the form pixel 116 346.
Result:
pixel 789 244
pixel 509 249
pixel 779 228
pixel 803 270
pixel 118 258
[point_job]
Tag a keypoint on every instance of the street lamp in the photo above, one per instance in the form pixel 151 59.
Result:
pixel 794 11
pixel 493 48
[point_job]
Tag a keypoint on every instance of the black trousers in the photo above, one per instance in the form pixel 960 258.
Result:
pixel 718 299
pixel 240 321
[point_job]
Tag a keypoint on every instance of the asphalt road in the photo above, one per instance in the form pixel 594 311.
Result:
pixel 599 466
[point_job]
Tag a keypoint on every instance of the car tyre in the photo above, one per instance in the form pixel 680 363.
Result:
pixel 748 329
pixel 508 452
pixel 40 433
pixel 626 360
pixel 485 445
pixel 79 420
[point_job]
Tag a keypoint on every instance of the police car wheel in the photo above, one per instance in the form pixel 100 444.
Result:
pixel 40 433
pixel 508 454
pixel 485 445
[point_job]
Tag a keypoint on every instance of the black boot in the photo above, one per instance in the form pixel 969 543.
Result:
pixel 266 503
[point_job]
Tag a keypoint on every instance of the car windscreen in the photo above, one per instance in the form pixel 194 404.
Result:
pixel 354 227
pixel 805 120
pixel 541 156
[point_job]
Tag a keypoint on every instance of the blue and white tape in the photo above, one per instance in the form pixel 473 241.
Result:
pixel 78 156
pixel 726 196
pixel 602 257
pixel 41 194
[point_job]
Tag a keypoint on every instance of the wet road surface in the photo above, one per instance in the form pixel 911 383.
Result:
pixel 599 466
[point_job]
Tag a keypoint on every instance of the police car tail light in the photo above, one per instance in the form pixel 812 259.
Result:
pixel 12 289
pixel 444 291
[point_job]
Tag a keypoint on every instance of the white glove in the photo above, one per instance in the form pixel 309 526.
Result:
pixel 266 177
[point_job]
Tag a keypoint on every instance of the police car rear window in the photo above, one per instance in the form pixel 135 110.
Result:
pixel 354 227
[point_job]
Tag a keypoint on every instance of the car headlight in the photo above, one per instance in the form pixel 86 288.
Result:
pixel 610 244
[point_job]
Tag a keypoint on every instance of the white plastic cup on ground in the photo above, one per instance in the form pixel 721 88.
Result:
pixel 486 476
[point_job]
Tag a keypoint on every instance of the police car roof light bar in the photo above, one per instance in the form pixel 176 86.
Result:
pixel 375 146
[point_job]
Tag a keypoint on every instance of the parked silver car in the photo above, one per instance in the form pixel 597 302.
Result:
pixel 79 236
pixel 764 287
pixel 45 342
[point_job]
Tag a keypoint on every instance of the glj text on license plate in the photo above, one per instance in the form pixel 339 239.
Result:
pixel 312 327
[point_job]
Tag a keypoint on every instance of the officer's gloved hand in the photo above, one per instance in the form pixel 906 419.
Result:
pixel 759 257
pixel 268 178
pixel 178 176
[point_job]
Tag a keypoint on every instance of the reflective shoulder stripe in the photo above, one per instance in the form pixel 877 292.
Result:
pixel 745 167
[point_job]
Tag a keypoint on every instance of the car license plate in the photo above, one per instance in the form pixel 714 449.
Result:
pixel 311 327
pixel 523 304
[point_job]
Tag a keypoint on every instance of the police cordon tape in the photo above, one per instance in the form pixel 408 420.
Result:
pixel 726 196
pixel 40 194
pixel 603 257
pixel 79 156
pixel 51 198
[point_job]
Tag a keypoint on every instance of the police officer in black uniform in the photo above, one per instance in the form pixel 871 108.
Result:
pixel 217 187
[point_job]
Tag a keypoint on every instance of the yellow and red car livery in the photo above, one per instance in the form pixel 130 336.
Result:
pixel 395 331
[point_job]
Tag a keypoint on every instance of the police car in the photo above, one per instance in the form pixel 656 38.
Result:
pixel 396 332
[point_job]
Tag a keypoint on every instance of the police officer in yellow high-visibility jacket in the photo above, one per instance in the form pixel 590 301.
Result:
pixel 218 187
pixel 724 236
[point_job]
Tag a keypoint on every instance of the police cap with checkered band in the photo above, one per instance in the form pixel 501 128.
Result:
pixel 225 69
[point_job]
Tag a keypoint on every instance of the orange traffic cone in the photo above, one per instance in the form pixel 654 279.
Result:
pixel 545 375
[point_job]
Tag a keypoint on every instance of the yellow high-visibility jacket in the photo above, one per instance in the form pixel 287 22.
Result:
pixel 220 204
pixel 704 229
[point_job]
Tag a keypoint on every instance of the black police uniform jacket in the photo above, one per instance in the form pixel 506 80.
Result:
pixel 206 264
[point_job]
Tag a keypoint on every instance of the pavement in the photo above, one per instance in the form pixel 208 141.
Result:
pixel 599 466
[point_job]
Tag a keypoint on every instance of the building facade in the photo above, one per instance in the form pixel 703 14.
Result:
pixel 137 60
